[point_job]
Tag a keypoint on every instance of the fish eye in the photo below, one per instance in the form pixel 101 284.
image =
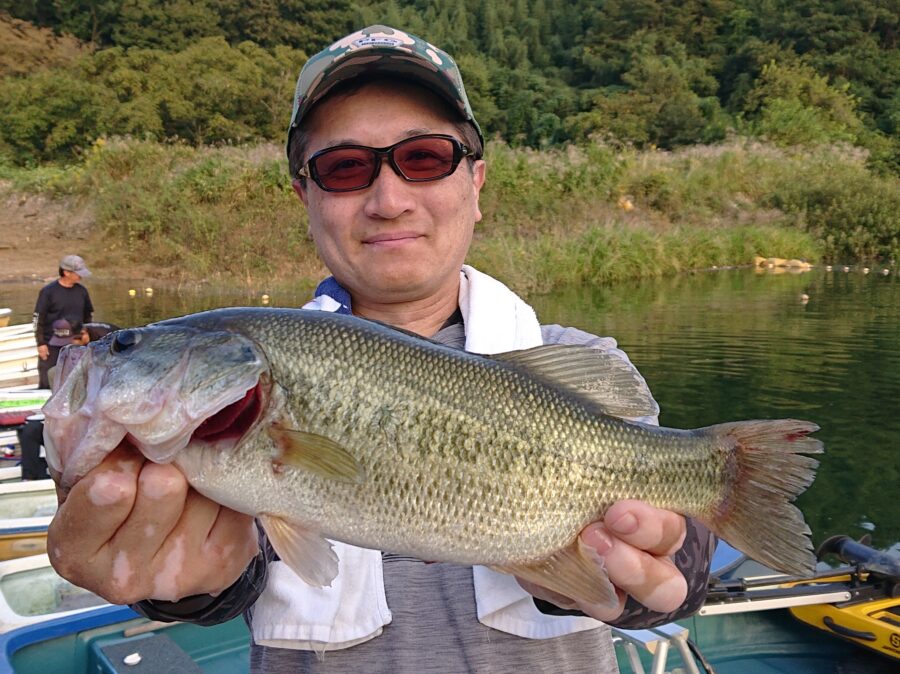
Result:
pixel 124 340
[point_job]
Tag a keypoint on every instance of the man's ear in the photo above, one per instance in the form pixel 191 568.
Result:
pixel 478 175
pixel 299 186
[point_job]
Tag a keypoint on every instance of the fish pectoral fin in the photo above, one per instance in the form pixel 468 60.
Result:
pixel 575 571
pixel 604 377
pixel 308 553
pixel 315 453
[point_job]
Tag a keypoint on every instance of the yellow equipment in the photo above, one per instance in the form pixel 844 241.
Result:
pixel 871 616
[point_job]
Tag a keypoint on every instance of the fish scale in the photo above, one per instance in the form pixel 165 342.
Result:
pixel 382 439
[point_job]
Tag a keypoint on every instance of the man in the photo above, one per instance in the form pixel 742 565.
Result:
pixel 386 156
pixel 63 299
pixel 91 332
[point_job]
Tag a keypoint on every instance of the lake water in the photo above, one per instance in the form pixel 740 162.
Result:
pixel 714 346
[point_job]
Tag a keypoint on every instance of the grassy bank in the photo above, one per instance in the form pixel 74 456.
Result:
pixel 550 218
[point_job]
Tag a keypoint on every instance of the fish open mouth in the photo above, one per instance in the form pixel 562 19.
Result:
pixel 232 421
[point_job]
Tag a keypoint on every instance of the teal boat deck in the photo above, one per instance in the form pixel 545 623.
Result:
pixel 99 641
pixel 109 639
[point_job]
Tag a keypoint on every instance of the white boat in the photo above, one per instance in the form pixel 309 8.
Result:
pixel 17 341
pixel 18 355
pixel 9 449
pixel 34 498
pixel 17 398
pixel 17 403
pixel 18 329
pixel 31 592
pixel 11 474
pixel 26 509
pixel 5 313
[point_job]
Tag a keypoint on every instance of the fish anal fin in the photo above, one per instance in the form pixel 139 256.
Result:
pixel 767 469
pixel 308 553
pixel 315 453
pixel 576 572
pixel 605 377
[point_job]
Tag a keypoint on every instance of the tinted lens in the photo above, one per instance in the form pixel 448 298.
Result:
pixel 345 168
pixel 354 167
pixel 425 158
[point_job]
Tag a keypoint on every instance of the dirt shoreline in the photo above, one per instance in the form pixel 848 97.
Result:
pixel 37 231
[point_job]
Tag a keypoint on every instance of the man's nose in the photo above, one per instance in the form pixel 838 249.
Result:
pixel 390 194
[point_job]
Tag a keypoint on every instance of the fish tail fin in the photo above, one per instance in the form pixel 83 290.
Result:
pixel 766 471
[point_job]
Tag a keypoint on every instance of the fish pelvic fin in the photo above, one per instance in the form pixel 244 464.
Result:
pixel 308 553
pixel 766 471
pixel 576 571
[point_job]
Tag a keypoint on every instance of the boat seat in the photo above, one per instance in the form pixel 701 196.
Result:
pixel 144 654
pixel 656 641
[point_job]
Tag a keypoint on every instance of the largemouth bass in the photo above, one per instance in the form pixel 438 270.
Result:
pixel 332 427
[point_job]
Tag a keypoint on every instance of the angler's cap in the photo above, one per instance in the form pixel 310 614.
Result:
pixel 98 330
pixel 75 263
pixel 380 50
pixel 62 333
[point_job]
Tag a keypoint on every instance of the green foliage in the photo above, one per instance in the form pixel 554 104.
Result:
pixel 51 114
pixel 540 74
pixel 165 24
pixel 793 105
pixel 856 214
pixel 583 214
pixel 208 93
pixel 205 211
pixel 561 84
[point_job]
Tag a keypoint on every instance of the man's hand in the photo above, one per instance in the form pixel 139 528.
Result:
pixel 43 352
pixel 131 530
pixel 635 540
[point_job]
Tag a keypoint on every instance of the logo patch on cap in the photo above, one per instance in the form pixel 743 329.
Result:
pixel 378 41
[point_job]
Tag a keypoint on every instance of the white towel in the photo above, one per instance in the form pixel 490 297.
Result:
pixel 291 614
pixel 496 319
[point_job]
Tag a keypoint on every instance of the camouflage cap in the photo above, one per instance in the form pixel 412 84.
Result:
pixel 380 49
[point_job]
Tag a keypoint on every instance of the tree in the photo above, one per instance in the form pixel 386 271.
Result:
pixel 92 21
pixel 792 104
pixel 51 114
pixel 167 24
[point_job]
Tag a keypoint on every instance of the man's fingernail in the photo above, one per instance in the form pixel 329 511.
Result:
pixel 598 540
pixel 626 524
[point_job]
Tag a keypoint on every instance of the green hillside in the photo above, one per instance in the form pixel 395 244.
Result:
pixel 627 138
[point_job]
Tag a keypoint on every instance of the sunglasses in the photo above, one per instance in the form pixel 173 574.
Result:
pixel 420 159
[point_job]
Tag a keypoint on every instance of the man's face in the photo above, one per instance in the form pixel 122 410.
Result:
pixel 394 241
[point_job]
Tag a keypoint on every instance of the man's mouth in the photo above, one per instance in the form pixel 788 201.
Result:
pixel 392 238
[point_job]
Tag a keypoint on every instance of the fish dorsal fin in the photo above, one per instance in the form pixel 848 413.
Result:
pixel 606 378
pixel 315 453
pixel 309 554
pixel 576 571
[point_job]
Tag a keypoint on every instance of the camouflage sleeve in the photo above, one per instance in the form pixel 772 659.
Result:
pixel 206 609
pixel 693 560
